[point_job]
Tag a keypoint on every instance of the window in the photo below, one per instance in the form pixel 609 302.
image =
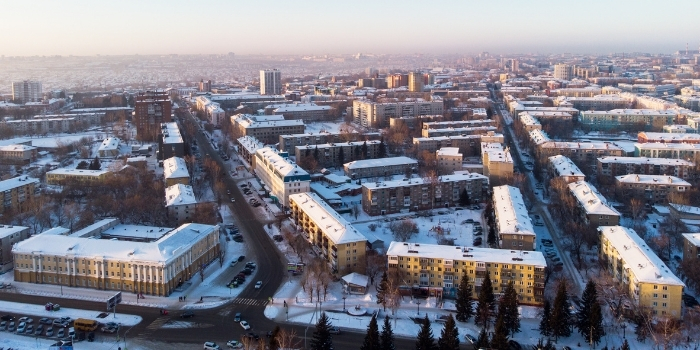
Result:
pixel 655 295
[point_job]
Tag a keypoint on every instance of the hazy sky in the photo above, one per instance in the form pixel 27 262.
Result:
pixel 111 27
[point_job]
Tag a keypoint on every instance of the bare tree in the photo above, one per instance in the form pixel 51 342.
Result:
pixel 403 230
pixel 288 339
pixel 376 264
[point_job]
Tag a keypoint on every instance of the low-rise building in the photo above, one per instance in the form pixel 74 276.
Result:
pixel 645 278
pixel 691 246
pixel 287 143
pixel 336 154
pixel 17 154
pixel 180 202
pixel 64 176
pixel 595 103
pixel 170 142
pixel 664 137
pixel 247 146
pixel 380 167
pixel 529 122
pixel 647 119
pixel 449 160
pixel 9 236
pixel 281 177
pixel 437 269
pixel 330 234
pixel 303 111
pixel 40 126
pixel 615 166
pixel 561 166
pixel 685 151
pixel 109 147
pixel 513 224
pixel 497 161
pixel 593 209
pixel 583 152
pixel 377 114
pixel 15 191
pixel 415 194
pixel 652 188
pixel 155 268
pixel 467 144
pixel 175 171
pixel 456 124
pixel 476 130
pixel 266 128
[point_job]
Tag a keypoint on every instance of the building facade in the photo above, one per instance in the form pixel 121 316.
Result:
pixel 9 236
pixel 336 154
pixel 616 166
pixel 648 281
pixel 653 189
pixel 449 160
pixel 513 224
pixel 592 208
pixel 170 141
pixel 180 202
pixel 27 91
pixel 330 235
pixel 175 171
pixel 561 166
pixel 270 82
pixel 380 167
pixel 17 154
pixel 266 128
pixel 83 176
pixel 150 110
pixel 282 177
pixel 377 114
pixel 437 269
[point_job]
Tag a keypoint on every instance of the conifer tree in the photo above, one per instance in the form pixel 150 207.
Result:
pixel 425 339
pixel 322 335
pixel 465 310
pixel 589 316
pixel 381 152
pixel 483 340
pixel 341 156
pixel 625 345
pixel 546 320
pixel 449 337
pixel 500 334
pixel 486 303
pixel 372 337
pixel 381 290
pixel 561 316
pixel 387 336
pixel 509 304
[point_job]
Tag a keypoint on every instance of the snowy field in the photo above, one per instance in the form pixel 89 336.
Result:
pixel 332 127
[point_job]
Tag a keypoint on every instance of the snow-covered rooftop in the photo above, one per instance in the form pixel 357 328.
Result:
pixel 645 160
pixel 109 144
pixel 164 250
pixel 282 165
pixel 693 238
pixel 602 145
pixel 448 151
pixel 511 211
pixel 652 179
pixel 647 112
pixel 564 166
pixel 250 143
pixel 126 231
pixel 486 255
pixel 263 121
pixel 171 133
pixel 539 137
pixel 378 162
pixel 175 167
pixel 637 257
pixel 328 145
pixel 527 119
pixel 179 194
pixel 297 107
pixel 670 137
pixel 420 181
pixel 356 279
pixel 590 199
pixel 6 230
pixel 15 182
pixel 333 226
pixel 667 146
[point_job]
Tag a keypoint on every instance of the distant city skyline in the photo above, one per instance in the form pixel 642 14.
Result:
pixel 81 27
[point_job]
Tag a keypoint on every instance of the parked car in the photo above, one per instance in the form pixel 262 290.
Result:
pixel 241 258
pixel 91 337
pixel 45 320
pixel 3 325
pixel 252 335
pixel 30 329
pixel 49 332
pixel 187 314
pixel 245 325
pixel 470 338
pixel 26 320
pixel 11 326
pixel 61 333
pixel 234 344
pixel 211 346
pixel 7 318
pixel 21 327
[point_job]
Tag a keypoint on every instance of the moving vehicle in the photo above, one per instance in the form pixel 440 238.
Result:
pixel 237 318
pixel 234 344
pixel 245 325
pixel 85 325
pixel 258 284
pixel 187 314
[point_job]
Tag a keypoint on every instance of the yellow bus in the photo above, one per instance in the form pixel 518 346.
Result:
pixel 85 325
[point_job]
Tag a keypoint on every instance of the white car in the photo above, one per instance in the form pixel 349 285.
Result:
pixel 258 284
pixel 26 320
pixel 245 325
pixel 234 344
pixel 211 346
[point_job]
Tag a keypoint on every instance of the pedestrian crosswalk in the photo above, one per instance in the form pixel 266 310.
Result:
pixel 157 323
pixel 249 301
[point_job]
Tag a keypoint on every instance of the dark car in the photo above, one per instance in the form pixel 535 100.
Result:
pixel 7 318
pixel 514 345
pixel 187 314
pixel 241 258
pixel 247 271
pixel 252 335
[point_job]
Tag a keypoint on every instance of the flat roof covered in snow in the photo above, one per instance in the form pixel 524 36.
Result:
pixel 652 179
pixel 645 160
pixel 590 199
pixel 175 167
pixel 379 162
pixel 565 166
pixel 109 144
pixel 171 133
pixel 179 194
pixel 6 230
pixel 637 257
pixel 511 211
pixel 333 226
pixel 420 181
pixel 15 182
pixel 490 255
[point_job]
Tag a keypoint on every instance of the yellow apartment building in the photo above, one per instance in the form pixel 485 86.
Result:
pixel 61 176
pixel 15 191
pixel 436 269
pixel 642 274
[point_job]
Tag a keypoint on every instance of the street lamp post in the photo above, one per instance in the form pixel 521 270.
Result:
pixel 624 327
pixel 344 297
pixel 418 303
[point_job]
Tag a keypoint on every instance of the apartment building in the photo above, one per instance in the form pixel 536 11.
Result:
pixel 17 154
pixel 548 115
pixel 170 141
pixel 449 160
pixel 330 235
pixel 175 171
pixel 27 91
pixel 436 269
pixel 412 122
pixel 513 224
pixel 212 110
pixel 649 282
pixel 585 152
pixel 83 176
pixel 691 246
pixel 35 126
pixel 592 208
pixel 594 103
pixel 415 82
pixel 652 188
pixel 648 119
pixel 648 89
pixel 561 166
pixel 281 177
pixel 497 161
pixel 616 166
pixel 529 122
pixel 458 124
pixel 685 151
pixel 109 148
pixel 287 143
pixel 270 82
pixel 155 268
pixel 180 202
pixel 538 137
pixel 467 144
pixel 377 114
pixel 150 110
pixel 380 167
pixel 664 137
pixel 247 146
pixel 336 154
pixel 577 92
pixel 9 236
pixel 477 130
pixel 303 111
pixel 266 128
pixel 415 194
pixel 563 71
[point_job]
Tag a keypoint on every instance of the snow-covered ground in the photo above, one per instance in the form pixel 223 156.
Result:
pixel 38 311
pixel 332 127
